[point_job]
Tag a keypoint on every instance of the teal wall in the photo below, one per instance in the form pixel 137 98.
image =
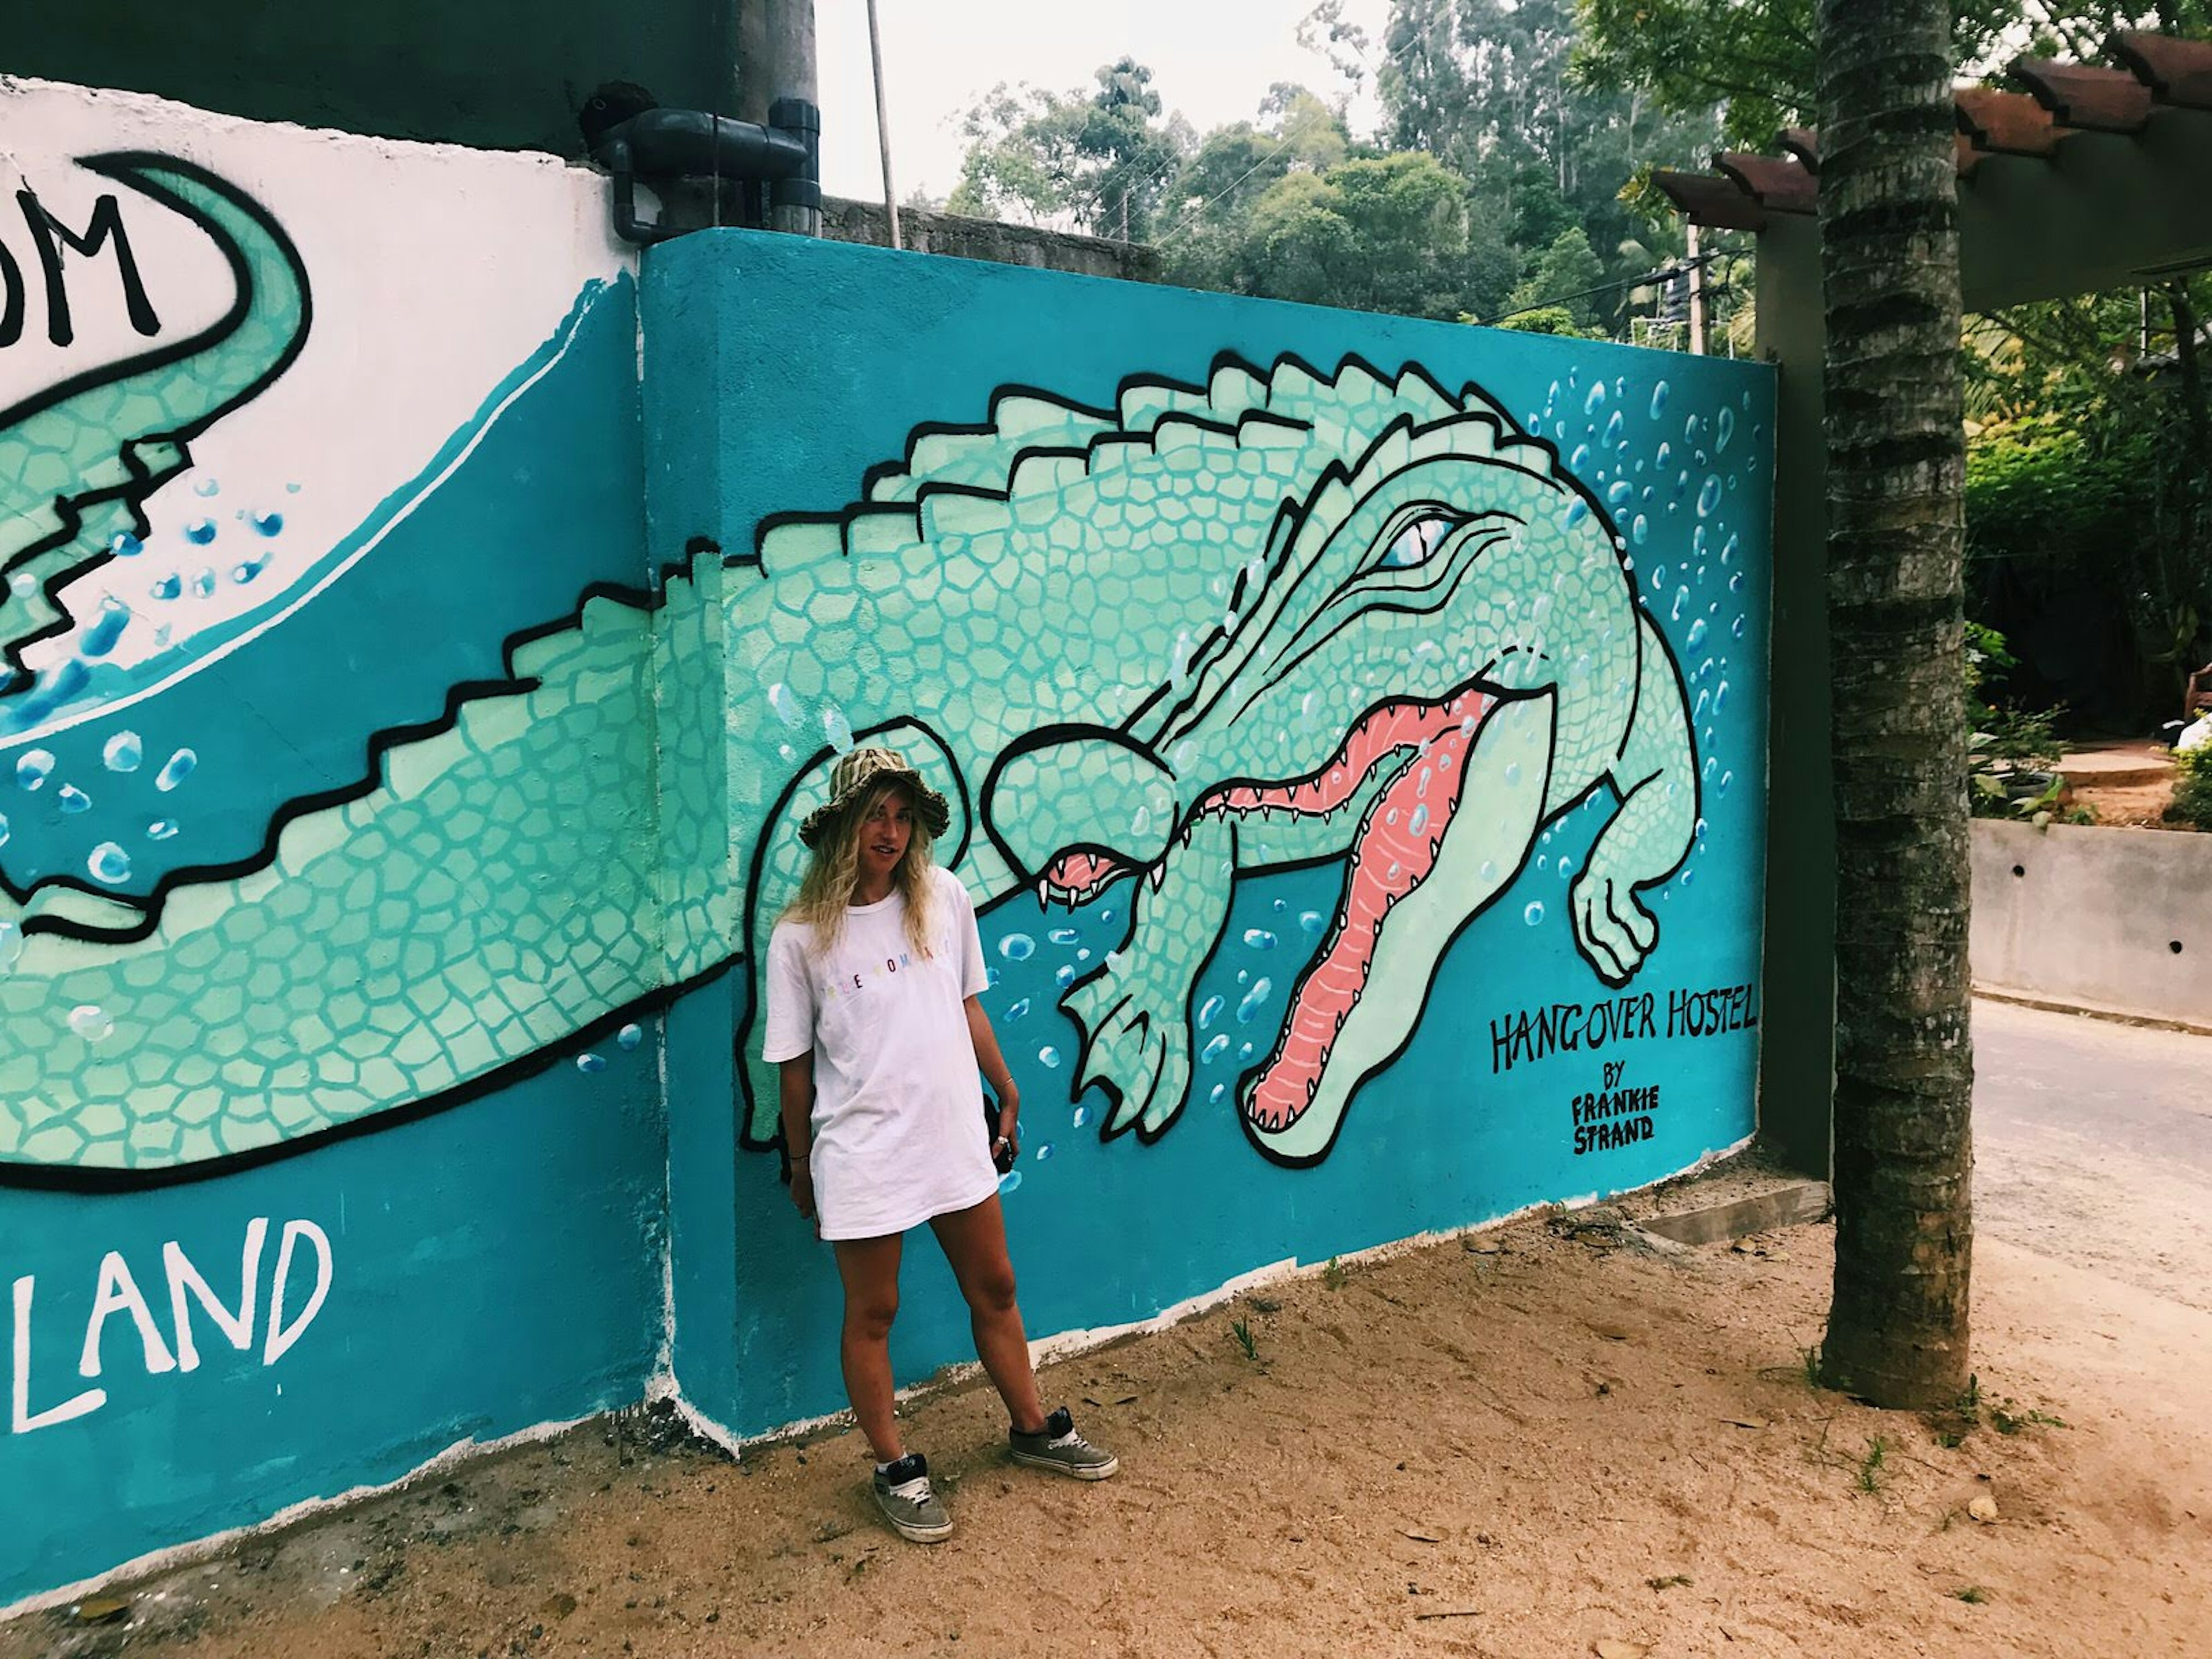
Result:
pixel 820 375
pixel 407 707
pixel 315 705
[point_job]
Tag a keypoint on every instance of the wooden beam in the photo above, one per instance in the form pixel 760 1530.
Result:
pixel 1800 143
pixel 2178 72
pixel 2081 95
pixel 1778 185
pixel 1705 200
pixel 2005 123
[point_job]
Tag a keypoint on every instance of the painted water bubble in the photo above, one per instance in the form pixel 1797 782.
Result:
pixel 1735 629
pixel 1696 633
pixel 1723 429
pixel 123 752
pixel 23 584
pixel 5 832
pixel 175 769
pixel 1082 1116
pixel 1640 531
pixel 1049 1057
pixel 782 699
pixel 1017 947
pixel 1709 496
pixel 1580 459
pixel 1619 491
pixel 266 524
pixel 71 799
pixel 588 1064
pixel 1009 1182
pixel 124 546
pixel 32 767
pixel 1255 999
pixel 1535 913
pixel 1209 1011
pixel 161 830
pixel 1064 976
pixel 243 574
pixel 1019 1010
pixel 168 588
pixel 629 1037
pixel 109 863
pixel 203 582
pixel 91 1022
pixel 1596 400
pixel 1658 400
pixel 1310 922
pixel 1258 938
pixel 200 532
pixel 11 945
pixel 1614 430
pixel 1044 1151
pixel 1215 1048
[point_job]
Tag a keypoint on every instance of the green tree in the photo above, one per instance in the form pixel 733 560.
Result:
pixel 1757 57
pixel 1565 279
pixel 1101 161
pixel 1898 1323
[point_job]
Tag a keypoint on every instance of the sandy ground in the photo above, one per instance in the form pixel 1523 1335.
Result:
pixel 1545 1440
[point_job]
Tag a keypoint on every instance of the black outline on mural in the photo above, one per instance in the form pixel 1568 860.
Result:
pixel 119 165
pixel 649 601
pixel 91 1179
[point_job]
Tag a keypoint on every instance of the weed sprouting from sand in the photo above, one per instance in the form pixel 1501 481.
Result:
pixel 1972 1595
pixel 1335 1275
pixel 1242 1330
pixel 1869 1475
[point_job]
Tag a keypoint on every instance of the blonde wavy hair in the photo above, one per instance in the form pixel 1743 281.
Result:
pixel 834 872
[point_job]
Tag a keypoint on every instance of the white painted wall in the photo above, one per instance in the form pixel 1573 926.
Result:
pixel 435 271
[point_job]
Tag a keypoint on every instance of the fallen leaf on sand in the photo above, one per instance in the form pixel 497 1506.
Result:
pixel 1612 1647
pixel 99 1609
pixel 1424 1538
pixel 1984 1509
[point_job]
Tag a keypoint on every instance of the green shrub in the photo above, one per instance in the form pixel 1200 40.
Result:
pixel 2192 788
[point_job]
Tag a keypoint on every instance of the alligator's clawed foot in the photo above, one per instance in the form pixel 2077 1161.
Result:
pixel 1138 1056
pixel 1614 929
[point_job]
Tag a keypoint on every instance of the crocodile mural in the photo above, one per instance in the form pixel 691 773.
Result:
pixel 1286 617
pixel 1343 616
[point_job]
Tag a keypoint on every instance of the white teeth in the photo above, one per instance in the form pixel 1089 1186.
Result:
pixel 1158 874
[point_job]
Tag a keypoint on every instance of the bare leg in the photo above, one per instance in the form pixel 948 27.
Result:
pixel 975 1242
pixel 870 1268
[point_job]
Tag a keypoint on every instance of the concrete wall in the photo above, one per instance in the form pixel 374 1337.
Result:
pixel 2108 919
pixel 920 232
pixel 306 447
pixel 498 74
pixel 1194 606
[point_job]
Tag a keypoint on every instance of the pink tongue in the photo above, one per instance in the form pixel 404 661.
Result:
pixel 1394 852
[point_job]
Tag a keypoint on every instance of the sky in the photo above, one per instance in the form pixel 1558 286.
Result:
pixel 1212 59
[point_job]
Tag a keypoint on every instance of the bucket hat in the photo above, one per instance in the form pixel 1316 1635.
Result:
pixel 856 774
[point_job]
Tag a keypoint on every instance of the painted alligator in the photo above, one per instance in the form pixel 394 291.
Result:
pixel 1283 618
pixel 78 459
pixel 1292 620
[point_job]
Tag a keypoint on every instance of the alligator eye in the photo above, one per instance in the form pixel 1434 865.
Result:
pixel 1417 538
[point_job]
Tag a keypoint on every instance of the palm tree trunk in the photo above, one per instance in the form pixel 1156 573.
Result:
pixel 1896 1327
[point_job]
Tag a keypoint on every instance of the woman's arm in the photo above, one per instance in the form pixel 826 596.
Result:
pixel 795 1087
pixel 993 1064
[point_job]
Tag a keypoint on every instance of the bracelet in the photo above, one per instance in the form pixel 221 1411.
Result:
pixel 801 1157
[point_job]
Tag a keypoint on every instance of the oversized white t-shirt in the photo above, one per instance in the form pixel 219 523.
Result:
pixel 899 1134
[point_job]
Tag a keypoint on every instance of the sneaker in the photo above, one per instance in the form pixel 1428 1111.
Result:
pixel 903 1494
pixel 1058 1447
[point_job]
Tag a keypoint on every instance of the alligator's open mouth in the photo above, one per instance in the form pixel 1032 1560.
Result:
pixel 1417 752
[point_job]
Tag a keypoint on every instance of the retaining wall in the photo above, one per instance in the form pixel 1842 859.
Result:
pixel 2118 920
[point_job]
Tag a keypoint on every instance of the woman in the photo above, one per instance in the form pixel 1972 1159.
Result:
pixel 872 981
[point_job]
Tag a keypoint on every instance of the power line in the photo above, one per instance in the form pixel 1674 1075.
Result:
pixel 1188 208
pixel 1645 279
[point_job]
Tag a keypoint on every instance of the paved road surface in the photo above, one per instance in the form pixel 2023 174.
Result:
pixel 2092 1143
